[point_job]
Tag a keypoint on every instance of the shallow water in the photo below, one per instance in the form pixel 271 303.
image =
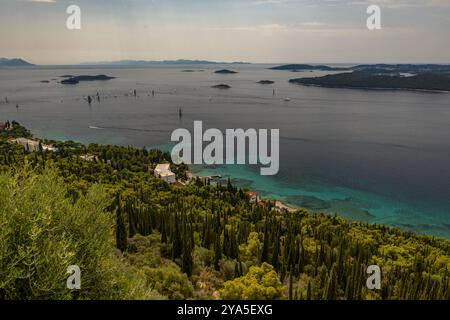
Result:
pixel 377 156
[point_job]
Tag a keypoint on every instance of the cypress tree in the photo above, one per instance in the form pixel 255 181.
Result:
pixel 121 233
pixel 176 243
pixel 217 252
pixel 290 285
pixel 187 263
pixel 309 291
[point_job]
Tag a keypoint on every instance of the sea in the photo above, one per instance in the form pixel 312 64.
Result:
pixel 378 156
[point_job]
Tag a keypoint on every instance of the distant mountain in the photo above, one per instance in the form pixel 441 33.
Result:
pixel 162 62
pixel 4 62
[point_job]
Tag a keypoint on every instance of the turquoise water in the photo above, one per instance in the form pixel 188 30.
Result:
pixel 322 197
pixel 319 195
pixel 376 156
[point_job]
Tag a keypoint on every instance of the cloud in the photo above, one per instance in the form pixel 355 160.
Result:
pixel 402 3
pixel 437 3
pixel 313 24
pixel 268 1
pixel 275 27
pixel 43 1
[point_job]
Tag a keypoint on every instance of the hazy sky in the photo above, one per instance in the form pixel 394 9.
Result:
pixel 226 30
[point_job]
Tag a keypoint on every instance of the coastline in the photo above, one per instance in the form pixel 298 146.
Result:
pixel 283 206
pixel 291 198
pixel 279 204
pixel 370 88
pixel 350 204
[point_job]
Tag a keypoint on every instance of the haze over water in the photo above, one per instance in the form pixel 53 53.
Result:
pixel 376 156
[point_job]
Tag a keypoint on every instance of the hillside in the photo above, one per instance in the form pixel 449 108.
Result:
pixel 180 242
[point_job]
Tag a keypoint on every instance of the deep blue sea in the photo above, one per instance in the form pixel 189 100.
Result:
pixel 376 156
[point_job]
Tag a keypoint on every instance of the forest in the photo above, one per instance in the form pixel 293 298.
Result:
pixel 137 237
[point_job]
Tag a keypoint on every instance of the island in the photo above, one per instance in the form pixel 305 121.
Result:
pixel 225 71
pixel 403 68
pixel 190 70
pixel 367 80
pixel 305 67
pixel 372 68
pixel 15 62
pixel 266 82
pixel 221 86
pixel 77 79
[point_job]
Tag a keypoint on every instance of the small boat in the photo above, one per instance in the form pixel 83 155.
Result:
pixel 287 99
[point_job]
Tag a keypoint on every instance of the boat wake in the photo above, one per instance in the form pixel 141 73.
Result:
pixel 129 129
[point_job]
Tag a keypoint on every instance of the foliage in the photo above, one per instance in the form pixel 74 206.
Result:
pixel 198 236
pixel 260 283
pixel 42 232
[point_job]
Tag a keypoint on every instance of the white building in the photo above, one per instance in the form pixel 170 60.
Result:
pixel 31 145
pixel 28 144
pixel 163 172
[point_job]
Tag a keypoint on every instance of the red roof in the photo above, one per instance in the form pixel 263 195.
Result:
pixel 2 126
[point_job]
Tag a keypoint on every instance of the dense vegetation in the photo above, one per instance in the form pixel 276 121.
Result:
pixel 180 242
pixel 368 80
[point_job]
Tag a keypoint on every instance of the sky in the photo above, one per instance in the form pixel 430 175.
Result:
pixel 258 31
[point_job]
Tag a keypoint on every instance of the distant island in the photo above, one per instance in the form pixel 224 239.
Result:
pixel 221 86
pixel 15 62
pixel 305 67
pixel 77 79
pixel 225 71
pixel 371 68
pixel 403 68
pixel 367 80
pixel 266 82
pixel 143 63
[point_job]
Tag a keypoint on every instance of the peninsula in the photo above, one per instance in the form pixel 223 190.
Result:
pixel 367 80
